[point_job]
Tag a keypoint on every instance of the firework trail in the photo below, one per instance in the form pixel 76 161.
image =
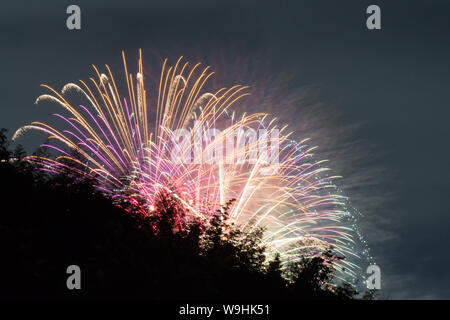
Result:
pixel 127 147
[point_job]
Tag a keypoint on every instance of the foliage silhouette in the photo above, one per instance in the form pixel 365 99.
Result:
pixel 50 222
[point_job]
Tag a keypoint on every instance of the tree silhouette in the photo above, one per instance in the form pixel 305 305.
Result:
pixel 50 222
pixel 4 144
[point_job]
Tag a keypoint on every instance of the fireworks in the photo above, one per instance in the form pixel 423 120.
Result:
pixel 127 145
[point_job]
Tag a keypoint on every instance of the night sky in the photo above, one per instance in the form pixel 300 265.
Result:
pixel 393 84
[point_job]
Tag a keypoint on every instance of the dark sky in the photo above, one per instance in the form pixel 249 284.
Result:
pixel 394 82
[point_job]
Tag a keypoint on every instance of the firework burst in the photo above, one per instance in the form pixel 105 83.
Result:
pixel 126 144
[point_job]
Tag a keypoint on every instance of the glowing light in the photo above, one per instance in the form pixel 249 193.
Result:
pixel 123 143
